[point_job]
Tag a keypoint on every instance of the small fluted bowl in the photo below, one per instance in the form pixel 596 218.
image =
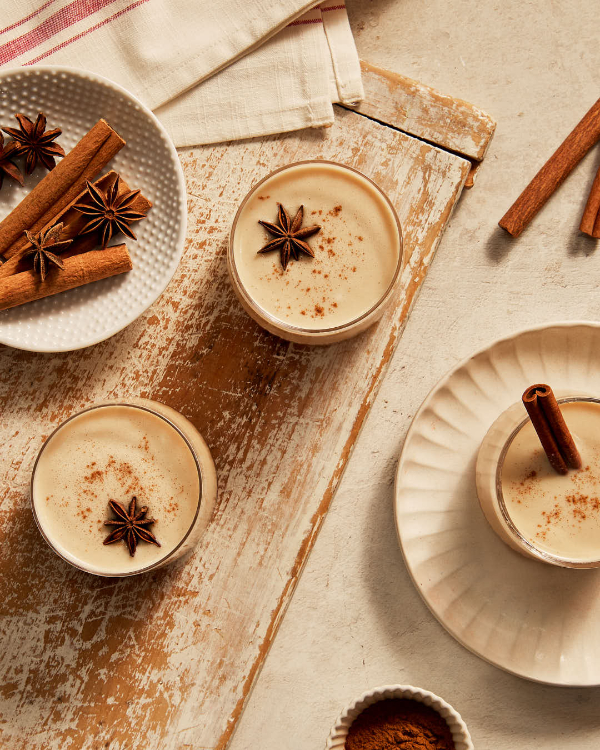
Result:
pixel 339 732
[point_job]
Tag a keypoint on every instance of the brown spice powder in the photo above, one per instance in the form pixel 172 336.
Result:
pixel 579 506
pixel 399 724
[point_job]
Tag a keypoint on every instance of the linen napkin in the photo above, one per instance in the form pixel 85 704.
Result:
pixel 212 71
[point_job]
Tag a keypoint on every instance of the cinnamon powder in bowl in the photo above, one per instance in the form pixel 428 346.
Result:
pixel 399 723
pixel 399 717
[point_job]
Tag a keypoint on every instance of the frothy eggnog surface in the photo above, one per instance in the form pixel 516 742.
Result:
pixel 356 251
pixel 558 514
pixel 113 453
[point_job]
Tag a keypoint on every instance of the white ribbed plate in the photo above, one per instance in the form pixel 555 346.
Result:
pixel 75 100
pixel 534 620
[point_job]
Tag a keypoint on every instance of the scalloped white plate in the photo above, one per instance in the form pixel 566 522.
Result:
pixel 534 620
pixel 75 100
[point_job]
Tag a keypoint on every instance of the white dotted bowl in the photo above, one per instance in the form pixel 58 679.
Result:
pixel 74 100
pixel 339 732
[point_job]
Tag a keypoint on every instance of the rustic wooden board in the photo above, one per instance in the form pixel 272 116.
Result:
pixel 166 661
pixel 426 113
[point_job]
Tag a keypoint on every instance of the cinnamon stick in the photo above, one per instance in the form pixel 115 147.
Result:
pixel 596 230
pixel 590 213
pixel 74 221
pixel 553 173
pixel 78 270
pixel 551 428
pixel 60 188
pixel 82 244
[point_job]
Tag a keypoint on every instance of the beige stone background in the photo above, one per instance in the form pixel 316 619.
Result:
pixel 356 621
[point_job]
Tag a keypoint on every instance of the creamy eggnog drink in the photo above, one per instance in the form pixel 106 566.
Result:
pixel 323 268
pixel 541 513
pixel 93 466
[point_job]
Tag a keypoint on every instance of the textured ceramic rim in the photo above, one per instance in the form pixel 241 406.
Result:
pixel 288 327
pixel 179 242
pixel 563 562
pixel 162 560
pixel 440 384
pixel 339 731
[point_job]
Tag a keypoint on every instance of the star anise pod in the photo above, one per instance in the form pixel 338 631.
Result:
pixel 44 244
pixel 35 142
pixel 130 526
pixel 7 165
pixel 289 237
pixel 108 211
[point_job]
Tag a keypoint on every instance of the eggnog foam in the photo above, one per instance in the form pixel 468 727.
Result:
pixel 557 514
pixel 114 453
pixel 356 251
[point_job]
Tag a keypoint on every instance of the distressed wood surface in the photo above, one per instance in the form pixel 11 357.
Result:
pixel 166 661
pixel 426 113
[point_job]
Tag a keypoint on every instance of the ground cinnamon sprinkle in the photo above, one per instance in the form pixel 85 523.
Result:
pixel 571 509
pixel 399 724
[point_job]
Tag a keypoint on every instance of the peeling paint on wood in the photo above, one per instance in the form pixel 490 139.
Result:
pixel 422 111
pixel 166 661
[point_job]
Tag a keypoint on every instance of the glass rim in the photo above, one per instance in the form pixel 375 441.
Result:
pixel 289 327
pixel 161 560
pixel 565 562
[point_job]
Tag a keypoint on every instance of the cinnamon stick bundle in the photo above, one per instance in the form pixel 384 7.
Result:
pixel 590 221
pixel 74 221
pixel 551 428
pixel 60 188
pixel 78 270
pixel 553 173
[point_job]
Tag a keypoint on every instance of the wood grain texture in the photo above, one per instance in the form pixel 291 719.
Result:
pixel 422 111
pixel 166 661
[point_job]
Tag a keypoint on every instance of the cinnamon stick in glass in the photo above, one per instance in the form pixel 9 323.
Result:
pixel 60 188
pixel 592 209
pixel 553 173
pixel 78 270
pixel 551 428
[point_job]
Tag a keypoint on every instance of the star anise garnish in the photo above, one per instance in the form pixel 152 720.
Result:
pixel 289 237
pixel 7 165
pixel 44 244
pixel 130 526
pixel 108 211
pixel 35 142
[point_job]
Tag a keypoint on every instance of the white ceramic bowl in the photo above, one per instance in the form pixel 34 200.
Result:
pixel 75 100
pixel 339 732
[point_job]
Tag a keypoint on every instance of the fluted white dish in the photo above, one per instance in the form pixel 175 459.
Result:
pixel 339 731
pixel 75 100
pixel 534 620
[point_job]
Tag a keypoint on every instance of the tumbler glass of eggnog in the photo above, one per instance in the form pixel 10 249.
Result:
pixel 342 282
pixel 118 451
pixel 548 516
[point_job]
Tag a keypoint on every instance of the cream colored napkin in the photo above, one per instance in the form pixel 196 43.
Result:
pixel 212 71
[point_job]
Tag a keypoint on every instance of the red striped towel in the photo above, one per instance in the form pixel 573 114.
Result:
pixel 212 71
